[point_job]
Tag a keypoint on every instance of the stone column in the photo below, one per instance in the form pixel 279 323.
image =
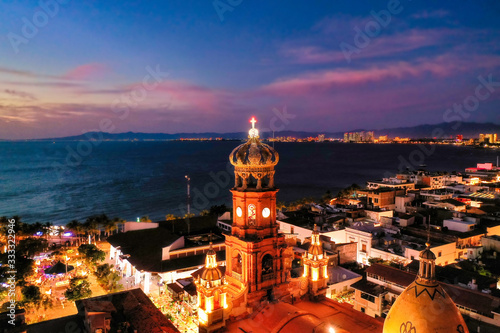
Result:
pixel 137 277
pixel 128 269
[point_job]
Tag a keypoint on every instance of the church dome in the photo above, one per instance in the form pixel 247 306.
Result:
pixel 254 153
pixel 427 253
pixel 254 163
pixel 211 272
pixel 424 306
pixel 315 250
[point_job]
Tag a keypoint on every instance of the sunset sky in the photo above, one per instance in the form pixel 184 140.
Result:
pixel 89 64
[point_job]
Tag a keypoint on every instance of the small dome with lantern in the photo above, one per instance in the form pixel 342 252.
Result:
pixel 315 250
pixel 424 306
pixel 211 275
pixel 254 162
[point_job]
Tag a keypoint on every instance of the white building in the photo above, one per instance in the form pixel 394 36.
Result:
pixel 459 225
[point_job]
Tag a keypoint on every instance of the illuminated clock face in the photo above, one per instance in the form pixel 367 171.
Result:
pixel 252 212
pixel 239 211
pixel 266 212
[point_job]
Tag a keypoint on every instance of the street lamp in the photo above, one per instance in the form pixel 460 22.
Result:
pixel 188 203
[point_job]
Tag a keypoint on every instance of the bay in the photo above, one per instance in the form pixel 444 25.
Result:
pixel 43 181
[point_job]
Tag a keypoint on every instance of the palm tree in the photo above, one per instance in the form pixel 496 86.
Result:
pixel 120 224
pixel 47 226
pixel 111 225
pixel 77 228
pixel 36 227
pixel 91 227
pixel 170 217
pixel 145 218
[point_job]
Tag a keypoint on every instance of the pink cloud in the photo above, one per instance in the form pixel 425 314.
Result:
pixel 390 45
pixel 85 72
pixel 441 66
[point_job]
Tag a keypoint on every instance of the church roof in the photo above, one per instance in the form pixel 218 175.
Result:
pixel 280 317
pixel 415 310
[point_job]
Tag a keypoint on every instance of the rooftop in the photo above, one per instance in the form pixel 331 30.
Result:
pixel 475 300
pixel 131 306
pixel 333 314
pixel 391 274
pixel 369 288
pixel 144 246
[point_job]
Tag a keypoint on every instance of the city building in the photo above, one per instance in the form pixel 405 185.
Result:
pixel 392 183
pixel 126 311
pixel 359 136
pixel 488 138
pixel 380 197
pixel 144 253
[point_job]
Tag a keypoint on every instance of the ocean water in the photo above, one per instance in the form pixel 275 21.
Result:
pixel 62 181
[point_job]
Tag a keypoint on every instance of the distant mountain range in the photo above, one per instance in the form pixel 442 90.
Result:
pixel 467 129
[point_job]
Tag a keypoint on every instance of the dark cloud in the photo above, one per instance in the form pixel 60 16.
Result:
pixel 21 94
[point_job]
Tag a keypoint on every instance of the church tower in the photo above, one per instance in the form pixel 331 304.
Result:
pixel 211 295
pixel 316 266
pixel 258 261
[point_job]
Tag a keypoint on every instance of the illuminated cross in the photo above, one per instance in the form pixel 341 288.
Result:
pixel 253 121
pixel 253 133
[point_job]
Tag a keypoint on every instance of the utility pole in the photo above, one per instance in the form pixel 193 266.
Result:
pixel 188 204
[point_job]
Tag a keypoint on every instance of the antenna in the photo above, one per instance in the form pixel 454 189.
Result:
pixel 429 231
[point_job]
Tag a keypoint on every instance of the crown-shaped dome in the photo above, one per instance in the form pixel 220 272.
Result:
pixel 254 153
pixel 254 160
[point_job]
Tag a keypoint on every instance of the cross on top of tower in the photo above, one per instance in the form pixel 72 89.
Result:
pixel 253 133
pixel 253 121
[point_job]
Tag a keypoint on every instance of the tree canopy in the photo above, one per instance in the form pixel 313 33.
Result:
pixel 92 253
pixel 79 288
